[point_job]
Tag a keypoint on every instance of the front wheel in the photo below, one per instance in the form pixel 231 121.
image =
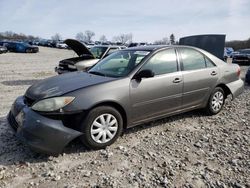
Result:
pixel 101 127
pixel 216 101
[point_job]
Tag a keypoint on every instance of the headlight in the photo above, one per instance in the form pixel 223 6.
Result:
pixel 52 104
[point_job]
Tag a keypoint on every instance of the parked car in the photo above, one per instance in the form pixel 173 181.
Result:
pixel 247 78
pixel 86 57
pixel 242 56
pixel 3 49
pixel 61 45
pixel 127 88
pixel 47 43
pixel 19 47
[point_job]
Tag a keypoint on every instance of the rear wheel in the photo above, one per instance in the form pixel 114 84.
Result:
pixel 101 127
pixel 216 101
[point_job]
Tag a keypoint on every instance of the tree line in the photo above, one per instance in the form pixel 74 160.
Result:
pixel 9 35
pixel 124 38
pixel 238 44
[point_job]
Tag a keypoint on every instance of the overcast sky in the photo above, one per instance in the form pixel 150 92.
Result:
pixel 147 20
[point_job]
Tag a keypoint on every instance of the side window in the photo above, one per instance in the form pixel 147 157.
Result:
pixel 163 62
pixel 192 59
pixel 209 63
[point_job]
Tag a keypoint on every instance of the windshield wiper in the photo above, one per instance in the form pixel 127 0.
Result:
pixel 96 73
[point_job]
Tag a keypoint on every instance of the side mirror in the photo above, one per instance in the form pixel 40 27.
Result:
pixel 144 74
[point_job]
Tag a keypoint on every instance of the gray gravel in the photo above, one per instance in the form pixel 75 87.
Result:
pixel 187 150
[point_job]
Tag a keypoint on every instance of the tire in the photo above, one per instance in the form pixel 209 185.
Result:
pixel 216 101
pixel 97 132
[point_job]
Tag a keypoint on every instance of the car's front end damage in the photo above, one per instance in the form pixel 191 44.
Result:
pixel 40 132
pixel 48 116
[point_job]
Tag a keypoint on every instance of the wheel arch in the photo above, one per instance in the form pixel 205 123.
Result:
pixel 225 89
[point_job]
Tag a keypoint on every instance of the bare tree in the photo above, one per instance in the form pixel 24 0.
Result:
pixel 103 38
pixel 123 38
pixel 9 35
pixel 56 37
pixel 80 36
pixel 89 35
pixel 164 40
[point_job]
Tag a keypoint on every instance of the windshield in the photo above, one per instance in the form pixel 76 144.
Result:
pixel 98 51
pixel 119 64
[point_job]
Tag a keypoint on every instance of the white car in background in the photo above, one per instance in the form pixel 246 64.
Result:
pixel 86 57
pixel 61 45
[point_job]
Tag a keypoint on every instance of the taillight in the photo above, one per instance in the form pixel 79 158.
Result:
pixel 238 72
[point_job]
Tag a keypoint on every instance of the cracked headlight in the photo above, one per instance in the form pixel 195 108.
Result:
pixel 52 104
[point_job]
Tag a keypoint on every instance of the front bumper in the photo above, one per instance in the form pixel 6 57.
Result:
pixel 40 133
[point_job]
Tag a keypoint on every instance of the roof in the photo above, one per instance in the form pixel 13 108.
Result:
pixel 108 46
pixel 148 48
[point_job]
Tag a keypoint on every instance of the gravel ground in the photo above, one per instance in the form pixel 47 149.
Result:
pixel 187 150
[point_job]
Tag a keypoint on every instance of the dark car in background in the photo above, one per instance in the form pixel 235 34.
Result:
pixel 20 47
pixel 3 49
pixel 86 57
pixel 247 78
pixel 127 88
pixel 242 56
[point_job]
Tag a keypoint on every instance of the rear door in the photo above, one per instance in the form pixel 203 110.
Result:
pixel 161 94
pixel 200 76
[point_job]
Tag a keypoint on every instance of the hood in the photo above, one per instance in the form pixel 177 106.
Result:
pixel 79 48
pixel 62 84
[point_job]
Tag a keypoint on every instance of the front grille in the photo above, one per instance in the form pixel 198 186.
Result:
pixel 28 101
pixel 12 121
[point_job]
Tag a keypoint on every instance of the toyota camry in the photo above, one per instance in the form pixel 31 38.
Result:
pixel 127 88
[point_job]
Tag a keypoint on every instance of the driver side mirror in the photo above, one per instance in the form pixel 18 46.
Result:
pixel 144 74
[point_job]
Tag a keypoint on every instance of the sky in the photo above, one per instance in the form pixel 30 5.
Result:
pixel 147 20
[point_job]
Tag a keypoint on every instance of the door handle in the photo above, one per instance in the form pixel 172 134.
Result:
pixel 177 80
pixel 213 73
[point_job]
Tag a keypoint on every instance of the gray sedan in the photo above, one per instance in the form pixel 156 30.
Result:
pixel 127 88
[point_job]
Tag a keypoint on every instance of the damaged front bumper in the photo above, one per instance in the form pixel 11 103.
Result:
pixel 40 133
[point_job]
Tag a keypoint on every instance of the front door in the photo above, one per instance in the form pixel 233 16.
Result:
pixel 161 94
